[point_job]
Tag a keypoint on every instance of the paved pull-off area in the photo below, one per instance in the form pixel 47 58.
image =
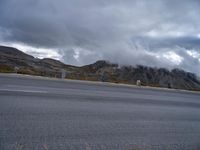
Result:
pixel 47 114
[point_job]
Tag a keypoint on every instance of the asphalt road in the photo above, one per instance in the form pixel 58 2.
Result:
pixel 46 114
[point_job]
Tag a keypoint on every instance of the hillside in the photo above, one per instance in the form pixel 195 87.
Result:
pixel 13 60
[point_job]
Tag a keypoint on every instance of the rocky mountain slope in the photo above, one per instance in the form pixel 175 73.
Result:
pixel 13 60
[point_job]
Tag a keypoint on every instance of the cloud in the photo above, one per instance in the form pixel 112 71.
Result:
pixel 36 52
pixel 162 33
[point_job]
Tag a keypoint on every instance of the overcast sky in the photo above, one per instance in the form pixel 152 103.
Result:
pixel 161 33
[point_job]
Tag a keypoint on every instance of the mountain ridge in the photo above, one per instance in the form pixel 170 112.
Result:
pixel 14 60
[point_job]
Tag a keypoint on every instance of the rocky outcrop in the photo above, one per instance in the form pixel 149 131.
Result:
pixel 13 60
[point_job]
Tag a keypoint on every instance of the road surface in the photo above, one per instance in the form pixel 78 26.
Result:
pixel 47 114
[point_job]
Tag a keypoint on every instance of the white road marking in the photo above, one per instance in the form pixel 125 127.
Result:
pixel 25 91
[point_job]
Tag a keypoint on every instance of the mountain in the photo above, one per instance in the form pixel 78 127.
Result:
pixel 13 60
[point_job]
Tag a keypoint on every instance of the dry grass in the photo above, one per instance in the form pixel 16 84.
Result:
pixel 6 69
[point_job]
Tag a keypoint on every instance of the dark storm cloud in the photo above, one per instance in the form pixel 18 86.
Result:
pixel 124 31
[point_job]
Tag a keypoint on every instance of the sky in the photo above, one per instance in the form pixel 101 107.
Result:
pixel 157 33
